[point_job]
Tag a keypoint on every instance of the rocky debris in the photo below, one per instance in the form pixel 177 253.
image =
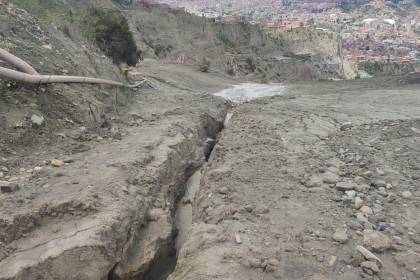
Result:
pixel 8 187
pixel 358 202
pixel 332 261
pixel 340 235
pixel 350 194
pixel 375 240
pixel 37 121
pixel 238 239
pixel 363 188
pixel 57 163
pixel 406 194
pixel 345 186
pixel 379 183
pixel 346 126
pixel 366 210
pixel 370 267
pixel 314 182
pixel 330 177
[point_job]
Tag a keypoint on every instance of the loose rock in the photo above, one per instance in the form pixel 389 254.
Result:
pixel 358 202
pixel 37 121
pixel 377 241
pixel 366 210
pixel 330 178
pixel 370 267
pixel 406 194
pixel 379 183
pixel 57 162
pixel 345 186
pixel 340 236
pixel 314 182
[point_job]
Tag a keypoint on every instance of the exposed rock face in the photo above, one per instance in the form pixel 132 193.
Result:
pixel 237 49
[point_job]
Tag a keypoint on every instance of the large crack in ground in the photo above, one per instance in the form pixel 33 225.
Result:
pixel 151 252
pixel 182 211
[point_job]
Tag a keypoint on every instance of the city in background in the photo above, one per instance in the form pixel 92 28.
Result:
pixel 372 33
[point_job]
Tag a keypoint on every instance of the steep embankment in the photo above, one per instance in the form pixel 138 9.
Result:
pixel 321 47
pixel 236 49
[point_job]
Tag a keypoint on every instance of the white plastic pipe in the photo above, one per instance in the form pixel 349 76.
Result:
pixel 17 62
pixel 49 79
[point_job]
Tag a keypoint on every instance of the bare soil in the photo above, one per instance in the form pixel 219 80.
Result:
pixel 269 208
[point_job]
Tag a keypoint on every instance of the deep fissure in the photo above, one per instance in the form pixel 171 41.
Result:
pixel 166 263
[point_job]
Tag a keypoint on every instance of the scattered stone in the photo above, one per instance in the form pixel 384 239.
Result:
pixel 223 190
pixel 356 225
pixel 340 235
pixel 415 238
pixel 332 261
pixel 382 191
pixel 68 160
pixel 346 126
pixel 377 208
pixel 254 262
pixel 362 188
pixel 368 254
pixel 37 169
pixel 5 169
pixel 367 174
pixel 406 194
pixel 8 187
pixel 351 194
pixel 37 121
pixel 1 174
pixel 345 186
pixel 57 162
pixel 4 183
pixel 379 183
pixel 379 242
pixel 358 202
pixel 271 265
pixel 366 210
pixel 361 218
pixel 330 178
pixel 124 188
pixel 314 182
pixel 381 226
pixel 249 208
pixel 370 267
pixel 380 172
pixel 238 239
pixel 391 197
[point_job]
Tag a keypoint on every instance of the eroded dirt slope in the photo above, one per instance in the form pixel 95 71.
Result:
pixel 298 181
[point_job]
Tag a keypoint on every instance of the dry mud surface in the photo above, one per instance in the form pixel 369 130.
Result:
pixel 297 182
pixel 293 185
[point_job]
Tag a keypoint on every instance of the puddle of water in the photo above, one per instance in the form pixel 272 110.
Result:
pixel 248 91
pixel 183 214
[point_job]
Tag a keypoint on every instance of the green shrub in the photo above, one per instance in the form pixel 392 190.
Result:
pixel 112 34
pixel 227 44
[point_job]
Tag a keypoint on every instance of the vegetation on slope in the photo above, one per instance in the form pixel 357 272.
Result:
pixel 113 36
pixel 101 23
